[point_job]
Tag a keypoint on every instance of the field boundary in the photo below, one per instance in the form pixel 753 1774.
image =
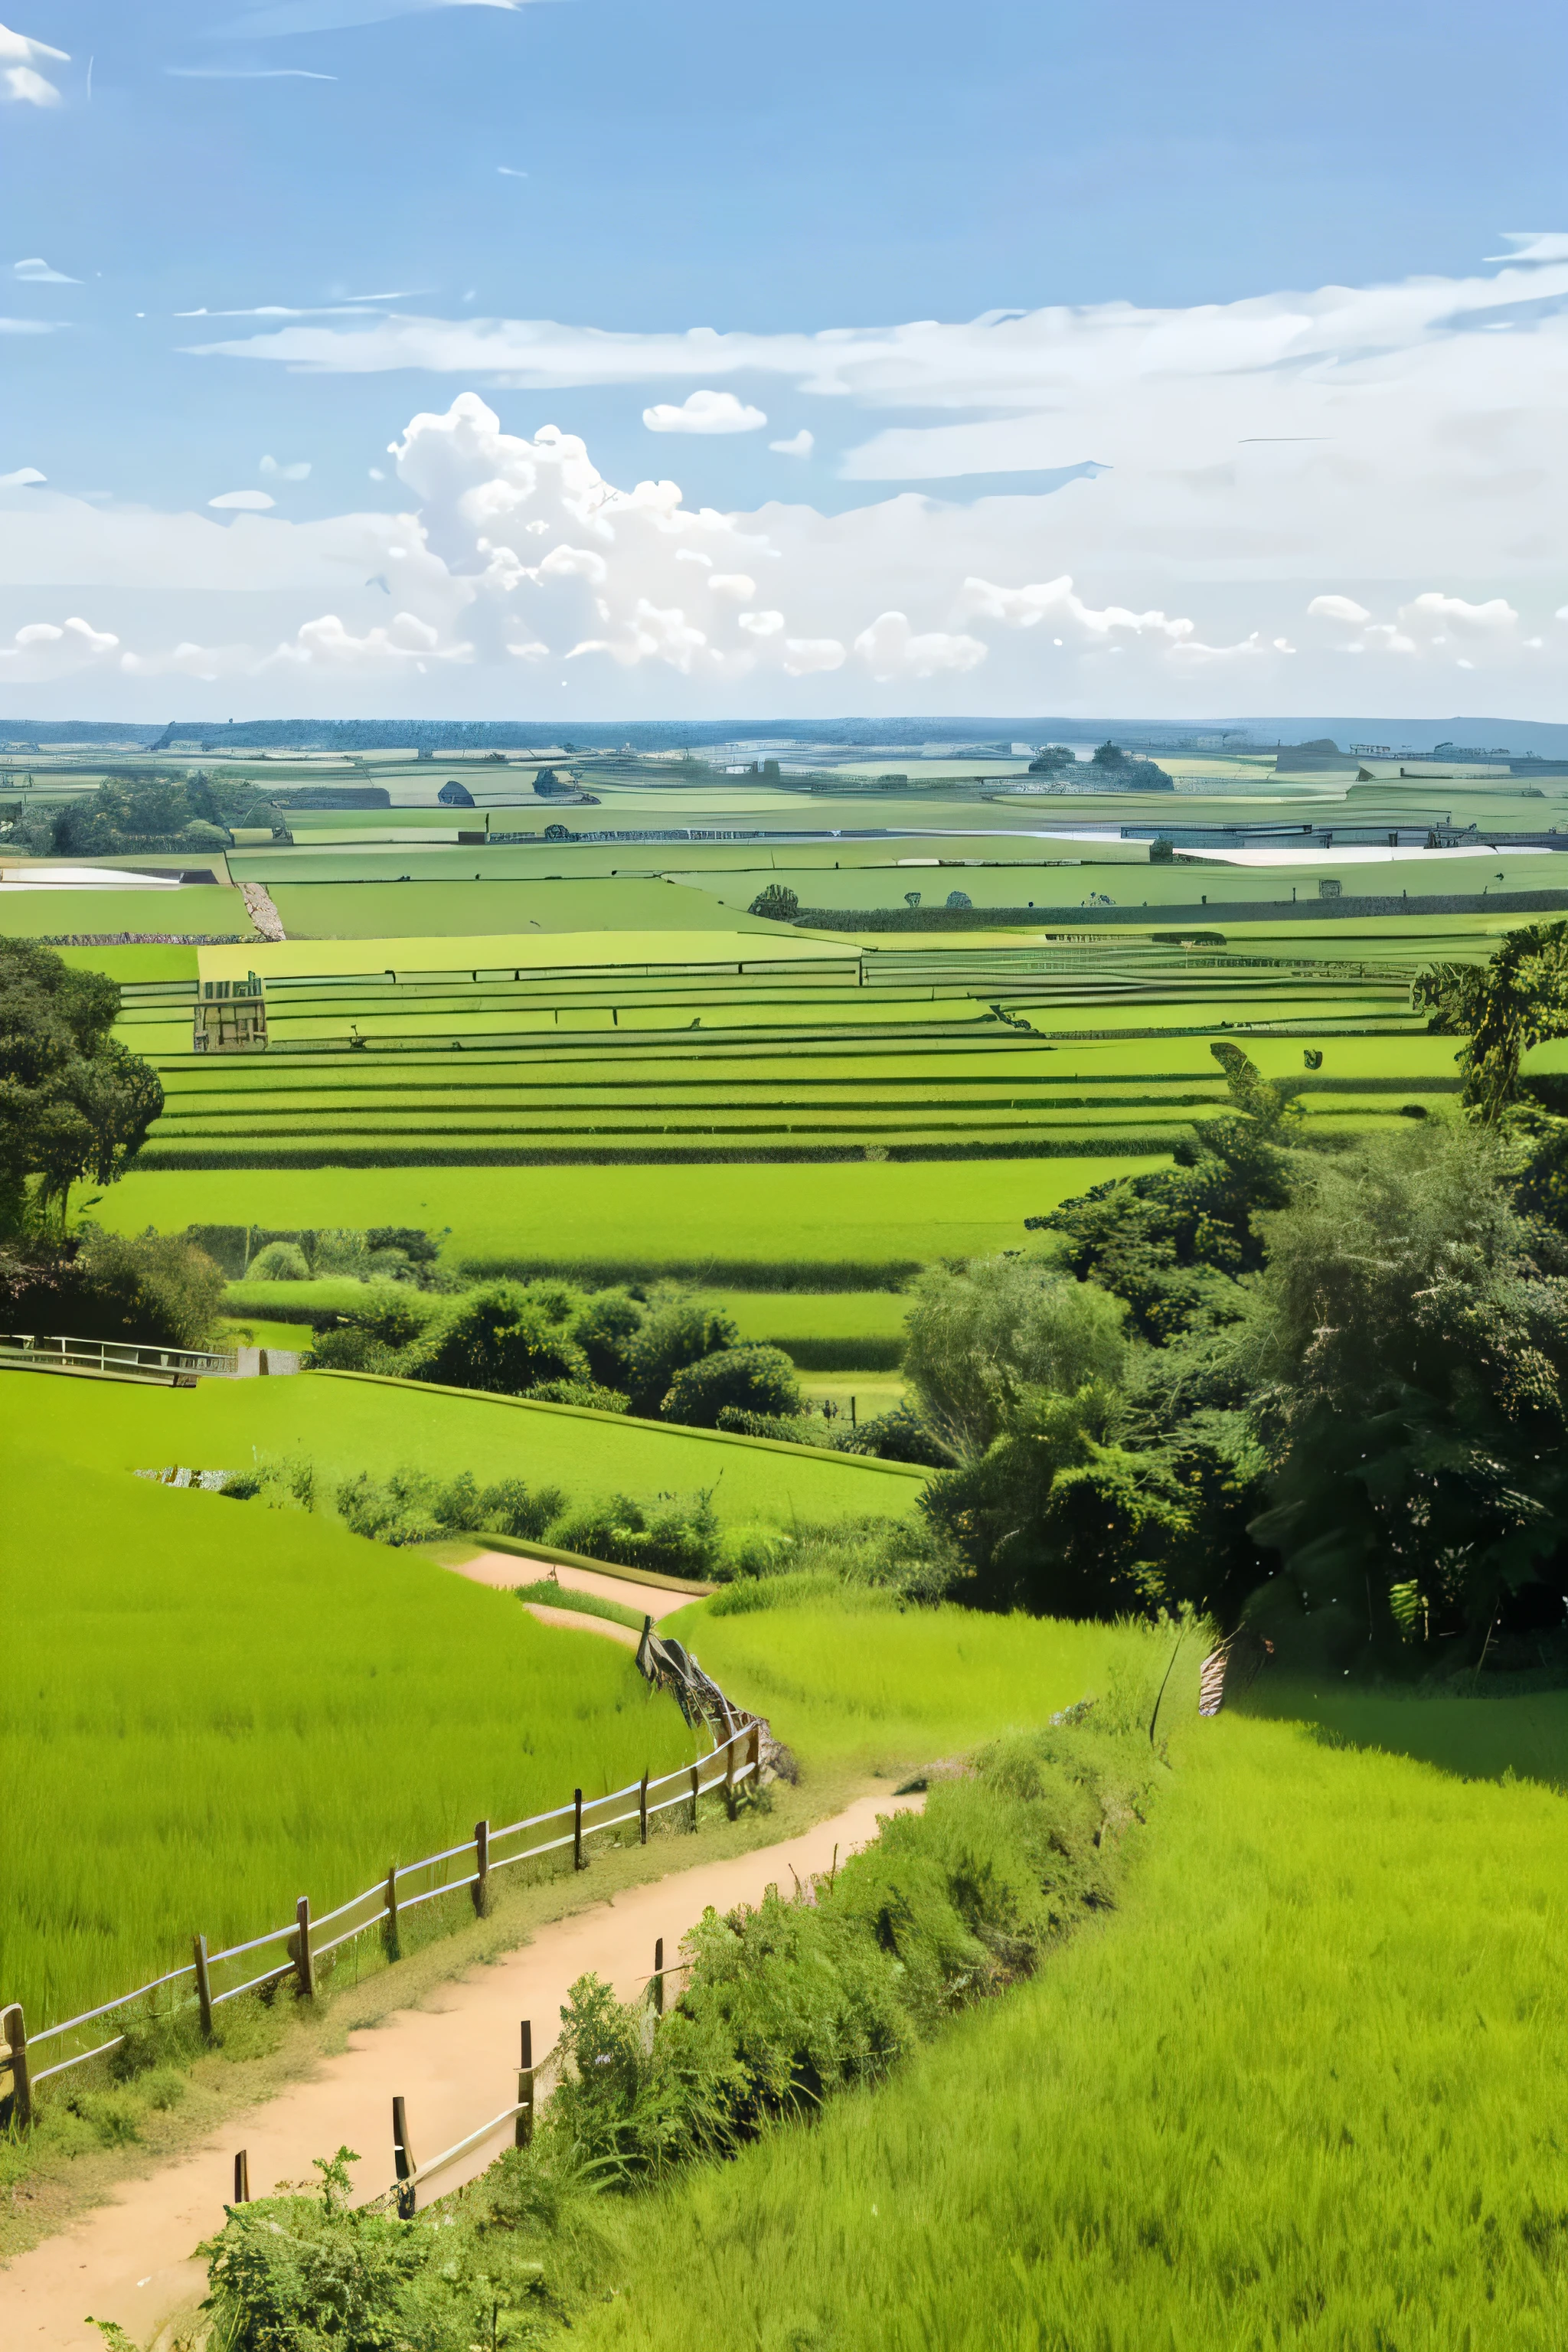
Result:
pixel 520 1547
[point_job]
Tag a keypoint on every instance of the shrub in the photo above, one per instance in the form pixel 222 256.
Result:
pixel 605 1329
pixel 679 1331
pixel 352 1348
pixel 978 1337
pixel 679 1537
pixel 279 1262
pixel 400 1510
pixel 512 1509
pixel 749 1380
pixel 777 904
pixel 498 1338
pixel 154 1289
pixel 785 1428
pixel 415 1247
pixel 897 1436
pixel 582 1393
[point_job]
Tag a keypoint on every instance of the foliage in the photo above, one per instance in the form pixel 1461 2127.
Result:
pixel 1501 1008
pixel 678 1330
pixel 1410 1356
pixel 676 1535
pixel 125 813
pixel 604 1326
pixel 587 1394
pixel 154 1289
pixel 1172 1243
pixel 1052 757
pixel 500 1338
pixel 978 1339
pixel 777 903
pixel 279 1262
pixel 900 1435
pixel 73 1102
pixel 757 1380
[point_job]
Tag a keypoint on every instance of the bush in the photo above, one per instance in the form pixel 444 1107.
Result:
pixel 747 1380
pixel 676 1536
pixel 512 1509
pixel 279 1262
pixel 605 1329
pixel 777 904
pixel 784 1428
pixel 400 1510
pixel 587 1393
pixel 679 1331
pixel 977 1339
pixel 897 1436
pixel 352 1348
pixel 498 1338
pixel 157 1289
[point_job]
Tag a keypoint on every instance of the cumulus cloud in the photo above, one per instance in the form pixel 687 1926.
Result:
pixel 43 649
pixel 22 479
pixel 804 655
pixel 891 649
pixel 244 501
pixel 1432 623
pixel 799 445
pixel 1337 608
pixel 1057 601
pixel 703 412
pixel 297 472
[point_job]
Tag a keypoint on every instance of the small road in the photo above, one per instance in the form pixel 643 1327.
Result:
pixel 506 1570
pixel 453 2062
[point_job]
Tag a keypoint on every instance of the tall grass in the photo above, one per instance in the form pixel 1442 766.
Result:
pixel 209 1708
pixel 1304 2089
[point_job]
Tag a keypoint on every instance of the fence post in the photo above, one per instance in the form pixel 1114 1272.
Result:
pixel 523 2135
pixel 403 2159
pixel 481 1886
pixel 756 1755
pixel 393 1949
pixel 577 1829
pixel 730 1775
pixel 696 1784
pixel 203 1984
pixel 642 1810
pixel 242 2178
pixel 304 1966
pixel 659 1977
pixel 15 2026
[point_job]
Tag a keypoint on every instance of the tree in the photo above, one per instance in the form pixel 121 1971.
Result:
pixel 746 1379
pixel 677 1331
pixel 605 1329
pixel 777 904
pixel 1408 1356
pixel 497 1337
pixel 1174 1242
pixel 159 1289
pixel 1050 758
pixel 1502 1008
pixel 978 1339
pixel 73 1102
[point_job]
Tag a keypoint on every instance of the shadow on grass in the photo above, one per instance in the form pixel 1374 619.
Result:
pixel 1493 1733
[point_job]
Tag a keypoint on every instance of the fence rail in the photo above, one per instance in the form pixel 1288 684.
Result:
pixel 735 1758
pixel 117 1356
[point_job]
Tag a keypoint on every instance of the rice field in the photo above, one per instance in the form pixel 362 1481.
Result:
pixel 1299 2092
pixel 220 1714
pixel 344 1423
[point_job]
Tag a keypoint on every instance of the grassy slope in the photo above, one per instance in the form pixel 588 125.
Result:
pixel 346 1424
pixel 1301 2091
pixel 225 1705
pixel 878 1212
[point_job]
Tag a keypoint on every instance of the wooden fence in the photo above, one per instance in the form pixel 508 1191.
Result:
pixel 211 1978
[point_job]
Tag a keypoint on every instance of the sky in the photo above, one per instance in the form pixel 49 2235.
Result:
pixel 585 359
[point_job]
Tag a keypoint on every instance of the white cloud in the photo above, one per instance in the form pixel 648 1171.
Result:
pixel 1056 600
pixel 43 649
pixel 891 649
pixel 799 445
pixel 738 584
pixel 297 472
pixel 30 89
pixel 509 172
pixel 805 656
pixel 36 272
pixel 768 625
pixel 1337 608
pixel 703 412
pixel 25 327
pixel 22 479
pixel 247 73
pixel 244 501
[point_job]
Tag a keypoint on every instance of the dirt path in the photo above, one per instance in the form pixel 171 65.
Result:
pixel 507 1569
pixel 577 1620
pixel 455 2063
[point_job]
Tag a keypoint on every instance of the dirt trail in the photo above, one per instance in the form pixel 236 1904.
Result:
pixel 453 2062
pixel 507 1569
pixel 577 1620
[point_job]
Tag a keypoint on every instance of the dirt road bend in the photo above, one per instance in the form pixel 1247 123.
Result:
pixel 453 2062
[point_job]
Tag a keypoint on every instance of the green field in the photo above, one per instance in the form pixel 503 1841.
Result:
pixel 712 1222
pixel 1297 2092
pixel 345 1422
pixel 221 1713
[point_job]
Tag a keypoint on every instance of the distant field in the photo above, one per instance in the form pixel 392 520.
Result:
pixel 711 1221
pixel 346 1424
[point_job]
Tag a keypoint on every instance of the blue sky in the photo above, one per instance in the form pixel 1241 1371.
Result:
pixel 539 206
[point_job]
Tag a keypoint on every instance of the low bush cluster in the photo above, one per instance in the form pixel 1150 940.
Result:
pixel 783 2007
